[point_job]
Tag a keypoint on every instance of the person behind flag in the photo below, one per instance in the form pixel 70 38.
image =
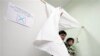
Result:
pixel 62 34
pixel 71 48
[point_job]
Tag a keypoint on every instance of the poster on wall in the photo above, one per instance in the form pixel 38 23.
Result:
pixel 18 15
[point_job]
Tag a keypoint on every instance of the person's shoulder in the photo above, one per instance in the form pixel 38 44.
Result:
pixel 73 47
pixel 65 44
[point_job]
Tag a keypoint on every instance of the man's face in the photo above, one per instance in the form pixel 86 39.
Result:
pixel 70 42
pixel 62 36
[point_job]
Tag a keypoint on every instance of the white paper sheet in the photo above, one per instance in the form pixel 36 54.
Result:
pixel 18 15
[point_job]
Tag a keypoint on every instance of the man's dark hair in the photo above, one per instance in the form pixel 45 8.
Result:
pixel 70 39
pixel 62 32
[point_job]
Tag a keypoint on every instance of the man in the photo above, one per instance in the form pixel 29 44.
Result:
pixel 62 34
pixel 71 48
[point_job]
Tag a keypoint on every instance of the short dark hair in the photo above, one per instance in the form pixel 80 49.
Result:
pixel 62 32
pixel 70 39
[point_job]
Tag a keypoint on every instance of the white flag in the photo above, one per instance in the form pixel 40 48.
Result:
pixel 48 38
pixel 66 20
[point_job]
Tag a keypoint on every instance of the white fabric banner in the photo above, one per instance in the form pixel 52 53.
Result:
pixel 66 20
pixel 48 38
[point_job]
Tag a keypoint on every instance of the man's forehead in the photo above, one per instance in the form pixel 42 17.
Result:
pixel 62 34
